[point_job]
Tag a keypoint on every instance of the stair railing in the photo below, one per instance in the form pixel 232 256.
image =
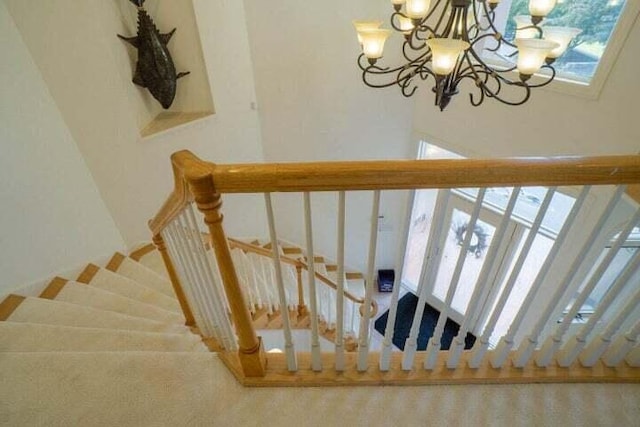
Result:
pixel 328 319
pixel 204 183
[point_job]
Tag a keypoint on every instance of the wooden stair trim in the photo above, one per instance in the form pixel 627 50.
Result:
pixel 88 274
pixel 9 305
pixel 115 262
pixel 140 252
pixel 291 250
pixel 53 288
pixel 278 375
pixel 354 276
pixel 331 267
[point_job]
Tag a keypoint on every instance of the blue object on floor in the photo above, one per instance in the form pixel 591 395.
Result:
pixel 406 310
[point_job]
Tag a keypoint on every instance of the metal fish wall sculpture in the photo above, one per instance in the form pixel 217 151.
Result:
pixel 155 69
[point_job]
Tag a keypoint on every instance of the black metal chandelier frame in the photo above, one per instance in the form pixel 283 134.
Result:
pixel 489 80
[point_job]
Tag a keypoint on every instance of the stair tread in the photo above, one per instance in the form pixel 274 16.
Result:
pixel 130 288
pixel 52 312
pixel 153 261
pixel 95 297
pixel 36 337
pixel 138 272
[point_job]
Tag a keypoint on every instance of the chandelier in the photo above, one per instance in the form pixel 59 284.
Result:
pixel 450 42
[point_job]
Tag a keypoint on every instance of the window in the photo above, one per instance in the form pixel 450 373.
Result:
pixel 587 61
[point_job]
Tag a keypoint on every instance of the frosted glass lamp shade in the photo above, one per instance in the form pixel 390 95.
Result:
pixel 493 2
pixel 405 24
pixel 445 54
pixel 523 21
pixel 417 9
pixel 541 8
pixel 532 53
pixel 398 2
pixel 562 36
pixel 373 42
pixel 365 26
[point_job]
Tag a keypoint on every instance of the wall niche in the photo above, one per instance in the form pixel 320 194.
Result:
pixel 193 99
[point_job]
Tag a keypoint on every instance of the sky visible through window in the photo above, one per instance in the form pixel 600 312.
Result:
pixel 596 18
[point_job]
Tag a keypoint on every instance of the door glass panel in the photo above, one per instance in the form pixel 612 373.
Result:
pixel 536 257
pixel 421 217
pixel 475 258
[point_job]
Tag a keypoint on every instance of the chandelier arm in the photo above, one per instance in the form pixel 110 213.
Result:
pixel 549 78
pixel 407 55
pixel 495 94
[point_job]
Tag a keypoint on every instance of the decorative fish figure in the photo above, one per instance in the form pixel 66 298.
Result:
pixel 155 69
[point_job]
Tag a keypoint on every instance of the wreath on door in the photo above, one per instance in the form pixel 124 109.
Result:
pixel 478 241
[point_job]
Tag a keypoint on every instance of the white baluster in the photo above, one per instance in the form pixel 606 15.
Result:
pixel 574 346
pixel 316 361
pixel 171 239
pixel 199 280
pixel 458 343
pixel 527 347
pixel 290 352
pixel 504 347
pixel 340 285
pixel 217 295
pixel 593 281
pixel 430 264
pixel 183 250
pixel 633 358
pixel 600 343
pixel 433 348
pixel 385 355
pixel 363 333
pixel 551 344
pixel 621 347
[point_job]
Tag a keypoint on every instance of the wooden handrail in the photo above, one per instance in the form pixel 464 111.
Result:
pixel 248 247
pixel 410 174
pixel 392 175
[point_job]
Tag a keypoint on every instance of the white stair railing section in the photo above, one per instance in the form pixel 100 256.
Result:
pixel 458 343
pixel 593 281
pixel 290 351
pixel 573 348
pixel 385 354
pixel 552 345
pixel 340 310
pixel 433 348
pixel 529 345
pixel 200 278
pixel 432 258
pixel 365 320
pixel 562 279
pixel 316 362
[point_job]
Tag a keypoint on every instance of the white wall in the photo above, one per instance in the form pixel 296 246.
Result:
pixel 52 217
pixel 313 106
pixel 88 72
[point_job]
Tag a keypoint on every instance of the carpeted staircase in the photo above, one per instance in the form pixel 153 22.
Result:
pixel 111 349
pixel 125 306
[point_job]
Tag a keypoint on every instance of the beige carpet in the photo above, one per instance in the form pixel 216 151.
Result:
pixel 194 389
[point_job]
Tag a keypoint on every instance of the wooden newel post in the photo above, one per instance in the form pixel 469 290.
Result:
pixel 175 280
pixel 251 352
